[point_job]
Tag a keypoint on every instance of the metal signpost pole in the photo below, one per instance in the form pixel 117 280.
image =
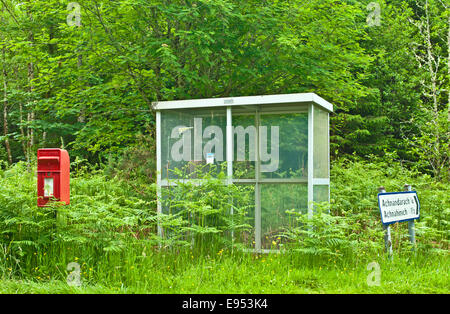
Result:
pixel 387 234
pixel 411 228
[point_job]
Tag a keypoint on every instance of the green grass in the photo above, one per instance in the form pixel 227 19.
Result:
pixel 247 273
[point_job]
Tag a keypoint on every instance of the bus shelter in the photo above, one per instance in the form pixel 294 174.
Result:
pixel 279 144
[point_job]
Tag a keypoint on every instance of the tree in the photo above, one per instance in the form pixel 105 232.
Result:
pixel 428 49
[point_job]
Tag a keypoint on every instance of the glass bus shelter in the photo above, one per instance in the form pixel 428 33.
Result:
pixel 279 144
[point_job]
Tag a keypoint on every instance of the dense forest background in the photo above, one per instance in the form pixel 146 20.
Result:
pixel 83 75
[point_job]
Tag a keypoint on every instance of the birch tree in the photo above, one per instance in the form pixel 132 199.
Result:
pixel 429 51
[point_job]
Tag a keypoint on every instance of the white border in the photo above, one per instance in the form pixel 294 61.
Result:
pixel 310 159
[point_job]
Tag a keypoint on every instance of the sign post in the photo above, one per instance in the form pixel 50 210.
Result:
pixel 387 230
pixel 411 228
pixel 398 207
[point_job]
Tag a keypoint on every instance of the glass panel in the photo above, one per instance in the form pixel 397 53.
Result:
pixel 246 204
pixel 284 145
pixel 175 203
pixel 167 200
pixel 244 141
pixel 275 200
pixel 320 193
pixel 192 140
pixel 321 152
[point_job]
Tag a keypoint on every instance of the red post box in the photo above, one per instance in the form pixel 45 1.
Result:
pixel 53 175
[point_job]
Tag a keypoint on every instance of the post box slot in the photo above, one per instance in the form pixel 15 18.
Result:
pixel 49 158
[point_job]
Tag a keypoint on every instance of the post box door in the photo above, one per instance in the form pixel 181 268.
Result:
pixel 48 186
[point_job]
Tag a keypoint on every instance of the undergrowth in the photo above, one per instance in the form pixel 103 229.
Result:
pixel 111 226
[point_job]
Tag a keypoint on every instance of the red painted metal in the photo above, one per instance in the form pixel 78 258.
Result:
pixel 53 165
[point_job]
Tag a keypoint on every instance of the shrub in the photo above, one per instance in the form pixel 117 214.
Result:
pixel 354 188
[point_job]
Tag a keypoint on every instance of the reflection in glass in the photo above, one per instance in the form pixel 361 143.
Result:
pixel 244 146
pixel 275 200
pixel 320 193
pixel 292 150
pixel 188 136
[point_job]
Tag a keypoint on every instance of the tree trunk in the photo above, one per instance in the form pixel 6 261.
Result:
pixel 5 110
pixel 31 114
pixel 430 62
pixel 82 115
pixel 433 77
pixel 23 140
pixel 5 103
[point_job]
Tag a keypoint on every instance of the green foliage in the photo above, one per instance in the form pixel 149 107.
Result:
pixel 3 156
pixel 355 183
pixel 110 229
pixel 111 215
pixel 92 87
pixel 350 225
pixel 104 215
pixel 198 212
pixel 136 163
pixel 431 147
pixel 320 235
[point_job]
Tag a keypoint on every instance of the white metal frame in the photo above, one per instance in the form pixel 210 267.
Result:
pixel 310 159
pixel 244 101
pixel 308 99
